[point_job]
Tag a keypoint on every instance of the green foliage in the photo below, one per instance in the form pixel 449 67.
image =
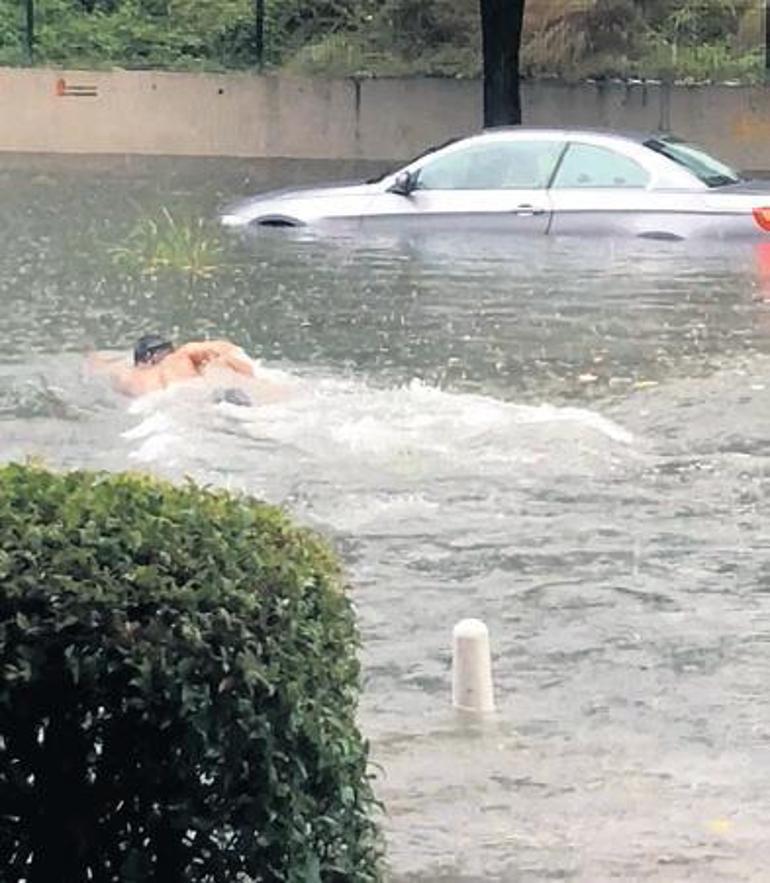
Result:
pixel 690 39
pixel 693 40
pixel 390 38
pixel 595 38
pixel 165 34
pixel 700 62
pixel 166 244
pixel 179 683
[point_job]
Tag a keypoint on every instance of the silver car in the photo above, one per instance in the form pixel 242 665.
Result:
pixel 538 181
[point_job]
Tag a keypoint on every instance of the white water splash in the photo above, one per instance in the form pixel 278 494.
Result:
pixel 415 429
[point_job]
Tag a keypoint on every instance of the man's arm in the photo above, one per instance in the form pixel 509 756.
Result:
pixel 125 378
pixel 133 383
pixel 113 366
pixel 202 353
pixel 104 363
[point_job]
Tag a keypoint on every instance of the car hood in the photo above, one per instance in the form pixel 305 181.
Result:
pixel 322 191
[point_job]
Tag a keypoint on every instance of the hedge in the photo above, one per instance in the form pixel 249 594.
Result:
pixel 178 694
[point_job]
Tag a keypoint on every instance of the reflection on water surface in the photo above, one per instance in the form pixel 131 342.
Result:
pixel 565 439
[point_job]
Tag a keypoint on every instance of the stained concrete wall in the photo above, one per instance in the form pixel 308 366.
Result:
pixel 732 121
pixel 250 116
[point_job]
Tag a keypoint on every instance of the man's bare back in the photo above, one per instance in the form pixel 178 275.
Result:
pixel 158 364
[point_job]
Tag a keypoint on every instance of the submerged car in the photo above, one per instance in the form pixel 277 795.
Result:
pixel 538 181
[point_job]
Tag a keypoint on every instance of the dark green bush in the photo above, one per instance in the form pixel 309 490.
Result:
pixel 179 683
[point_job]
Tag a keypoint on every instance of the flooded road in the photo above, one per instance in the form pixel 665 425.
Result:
pixel 568 440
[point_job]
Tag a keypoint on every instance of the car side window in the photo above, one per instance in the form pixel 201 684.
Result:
pixel 494 165
pixel 585 165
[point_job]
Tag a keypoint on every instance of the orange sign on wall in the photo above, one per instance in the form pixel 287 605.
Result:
pixel 64 89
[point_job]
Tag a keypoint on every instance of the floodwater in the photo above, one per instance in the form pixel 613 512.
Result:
pixel 568 440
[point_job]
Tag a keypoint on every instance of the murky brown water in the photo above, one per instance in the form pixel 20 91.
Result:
pixel 567 440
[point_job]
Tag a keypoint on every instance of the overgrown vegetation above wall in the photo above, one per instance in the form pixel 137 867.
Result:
pixel 573 39
pixel 667 39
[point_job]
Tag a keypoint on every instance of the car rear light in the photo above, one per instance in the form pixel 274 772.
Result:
pixel 762 217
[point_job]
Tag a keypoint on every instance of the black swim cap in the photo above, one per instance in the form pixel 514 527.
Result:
pixel 150 345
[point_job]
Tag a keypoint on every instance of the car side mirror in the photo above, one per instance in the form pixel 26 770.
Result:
pixel 404 184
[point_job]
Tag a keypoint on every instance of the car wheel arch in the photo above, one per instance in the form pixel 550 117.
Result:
pixel 276 221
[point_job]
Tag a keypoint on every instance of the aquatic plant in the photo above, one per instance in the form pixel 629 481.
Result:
pixel 154 245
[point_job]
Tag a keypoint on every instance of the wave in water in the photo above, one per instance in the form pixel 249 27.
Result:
pixel 347 425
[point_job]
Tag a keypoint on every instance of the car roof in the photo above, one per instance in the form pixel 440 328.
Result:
pixel 637 136
pixel 629 136
pixel 633 143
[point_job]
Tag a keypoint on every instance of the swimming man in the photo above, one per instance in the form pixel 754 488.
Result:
pixel 159 364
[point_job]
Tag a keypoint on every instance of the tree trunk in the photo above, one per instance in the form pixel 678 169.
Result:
pixel 501 25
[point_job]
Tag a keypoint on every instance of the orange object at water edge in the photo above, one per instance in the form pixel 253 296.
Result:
pixel 762 217
pixel 762 263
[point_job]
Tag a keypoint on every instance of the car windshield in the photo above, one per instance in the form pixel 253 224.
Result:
pixel 389 171
pixel 711 171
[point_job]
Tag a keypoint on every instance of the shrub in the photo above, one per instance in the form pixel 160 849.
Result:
pixel 179 683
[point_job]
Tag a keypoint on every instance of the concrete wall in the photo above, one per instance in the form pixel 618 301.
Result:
pixel 250 116
pixel 732 121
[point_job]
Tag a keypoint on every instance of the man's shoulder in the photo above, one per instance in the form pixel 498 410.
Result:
pixel 137 382
pixel 222 346
pixel 196 346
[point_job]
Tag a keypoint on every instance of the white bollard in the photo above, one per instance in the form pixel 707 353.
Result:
pixel 472 667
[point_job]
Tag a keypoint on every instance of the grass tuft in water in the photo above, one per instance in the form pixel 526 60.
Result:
pixel 155 245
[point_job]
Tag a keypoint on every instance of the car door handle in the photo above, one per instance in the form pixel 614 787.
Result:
pixel 526 210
